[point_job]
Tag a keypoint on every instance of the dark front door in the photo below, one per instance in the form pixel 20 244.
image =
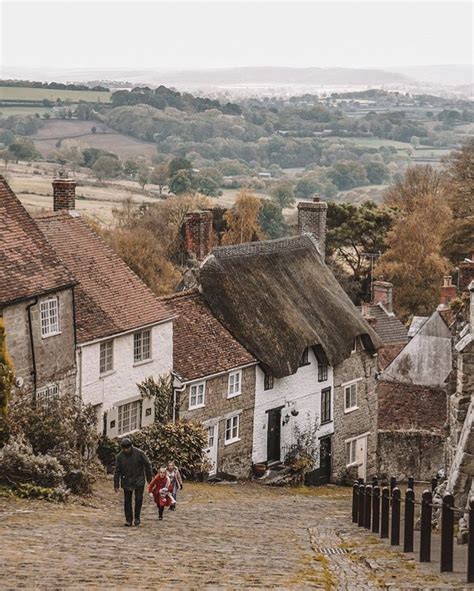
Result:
pixel 322 475
pixel 273 435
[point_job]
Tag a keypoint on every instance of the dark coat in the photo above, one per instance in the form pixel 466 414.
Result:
pixel 131 469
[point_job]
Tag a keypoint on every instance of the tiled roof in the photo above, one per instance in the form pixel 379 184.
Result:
pixel 28 264
pixel 387 326
pixel 110 298
pixel 201 345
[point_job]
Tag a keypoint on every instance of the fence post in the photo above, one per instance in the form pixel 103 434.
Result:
pixel 393 484
pixel 411 483
pixel 425 527
pixel 408 531
pixel 376 509
pixel 368 506
pixel 375 481
pixel 470 543
pixel 355 501
pixel 395 531
pixel 361 513
pixel 434 483
pixel 385 513
pixel 447 533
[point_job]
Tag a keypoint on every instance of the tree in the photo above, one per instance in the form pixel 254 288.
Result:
pixel 159 176
pixel 377 172
pixel 106 167
pixel 181 182
pixel 143 174
pixel 6 156
pixel 177 164
pixel 413 261
pixel 415 142
pixel 23 149
pixel 283 194
pixel 271 221
pixel 348 174
pixel 130 168
pixel 242 219
pixel 206 185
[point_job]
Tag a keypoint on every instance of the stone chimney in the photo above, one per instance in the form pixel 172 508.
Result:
pixel 448 291
pixel 198 234
pixel 383 294
pixel 312 219
pixel 64 194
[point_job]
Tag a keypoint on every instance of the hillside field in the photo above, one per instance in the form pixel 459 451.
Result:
pixel 13 93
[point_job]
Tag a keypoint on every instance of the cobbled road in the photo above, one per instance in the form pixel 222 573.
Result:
pixel 222 536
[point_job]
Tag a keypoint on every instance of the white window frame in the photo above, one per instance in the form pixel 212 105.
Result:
pixel 354 346
pixel 141 359
pixel 49 328
pixel 134 406
pixel 233 426
pixel 46 394
pixel 231 392
pixel 108 357
pixel 351 445
pixel 349 386
pixel 326 391
pixel 196 395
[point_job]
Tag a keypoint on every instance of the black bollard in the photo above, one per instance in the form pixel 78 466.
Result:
pixel 368 506
pixel 355 501
pixel 375 481
pixel 447 533
pixel 470 544
pixel 409 528
pixel 411 483
pixel 395 531
pixel 434 483
pixel 393 484
pixel 361 513
pixel 425 526
pixel 376 509
pixel 385 513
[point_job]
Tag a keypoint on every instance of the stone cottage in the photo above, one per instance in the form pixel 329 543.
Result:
pixel 124 332
pixel 36 302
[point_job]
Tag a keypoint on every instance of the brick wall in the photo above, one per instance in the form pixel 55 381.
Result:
pixel 64 194
pixel 198 233
pixel 235 458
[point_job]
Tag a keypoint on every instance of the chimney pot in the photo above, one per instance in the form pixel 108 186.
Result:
pixel 448 291
pixel 64 194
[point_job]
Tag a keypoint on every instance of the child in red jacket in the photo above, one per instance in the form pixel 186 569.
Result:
pixel 159 489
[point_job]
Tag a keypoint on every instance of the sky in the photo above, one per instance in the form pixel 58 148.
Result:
pixel 188 35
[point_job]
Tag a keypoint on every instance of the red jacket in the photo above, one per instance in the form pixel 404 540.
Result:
pixel 156 485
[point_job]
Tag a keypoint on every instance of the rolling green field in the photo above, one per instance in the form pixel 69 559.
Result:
pixel 12 93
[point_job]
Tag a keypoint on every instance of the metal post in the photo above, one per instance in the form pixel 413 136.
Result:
pixel 411 483
pixel 408 531
pixel 425 526
pixel 361 513
pixel 376 509
pixel 470 544
pixel 375 481
pixel 368 506
pixel 447 533
pixel 385 513
pixel 393 484
pixel 355 501
pixel 434 483
pixel 395 531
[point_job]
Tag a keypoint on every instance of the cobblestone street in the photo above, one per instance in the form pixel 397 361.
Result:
pixel 227 536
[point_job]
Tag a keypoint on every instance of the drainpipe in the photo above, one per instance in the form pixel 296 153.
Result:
pixel 33 357
pixel 176 391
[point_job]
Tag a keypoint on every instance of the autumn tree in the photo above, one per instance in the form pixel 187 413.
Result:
pixel 413 261
pixel 242 219
pixel 159 176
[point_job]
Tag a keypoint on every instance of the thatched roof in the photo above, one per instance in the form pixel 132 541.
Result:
pixel 277 297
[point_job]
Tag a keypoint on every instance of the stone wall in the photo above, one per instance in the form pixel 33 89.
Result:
pixel 410 453
pixel 360 366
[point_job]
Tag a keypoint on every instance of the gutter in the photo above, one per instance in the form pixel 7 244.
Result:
pixel 125 332
pixel 32 343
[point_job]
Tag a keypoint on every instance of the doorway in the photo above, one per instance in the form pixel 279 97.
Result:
pixel 274 435
pixel 212 444
pixel 322 475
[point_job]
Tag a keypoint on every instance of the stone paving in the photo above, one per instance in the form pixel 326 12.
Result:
pixel 226 536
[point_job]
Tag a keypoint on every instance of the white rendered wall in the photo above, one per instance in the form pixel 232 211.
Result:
pixel 300 391
pixel 121 383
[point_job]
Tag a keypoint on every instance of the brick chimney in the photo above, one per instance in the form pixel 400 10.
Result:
pixel 64 194
pixel 383 294
pixel 312 219
pixel 198 234
pixel 448 291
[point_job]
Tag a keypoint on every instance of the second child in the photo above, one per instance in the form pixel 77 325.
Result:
pixel 159 489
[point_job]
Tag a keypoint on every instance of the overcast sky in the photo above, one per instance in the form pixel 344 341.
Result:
pixel 179 35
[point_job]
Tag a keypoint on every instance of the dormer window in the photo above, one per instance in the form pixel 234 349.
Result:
pixel 234 387
pixel 268 381
pixel 304 358
pixel 322 371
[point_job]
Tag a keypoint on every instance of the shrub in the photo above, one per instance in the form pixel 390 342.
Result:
pixel 162 391
pixel 107 449
pixel 302 455
pixel 32 491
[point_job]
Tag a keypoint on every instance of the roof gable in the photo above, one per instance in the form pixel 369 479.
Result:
pixel 277 297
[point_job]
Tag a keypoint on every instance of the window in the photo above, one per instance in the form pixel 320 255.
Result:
pixel 350 397
pixel 106 356
pixel 234 384
pixel 129 417
pixel 196 395
pixel 49 317
pixel 351 447
pixel 304 358
pixel 268 381
pixel 46 395
pixel 211 436
pixel 142 346
pixel 326 405
pixel 232 429
pixel 322 372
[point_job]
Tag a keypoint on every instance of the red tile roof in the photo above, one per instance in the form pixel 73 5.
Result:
pixel 28 264
pixel 201 345
pixel 110 298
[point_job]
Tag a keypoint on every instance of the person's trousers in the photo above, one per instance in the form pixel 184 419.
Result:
pixel 160 510
pixel 127 503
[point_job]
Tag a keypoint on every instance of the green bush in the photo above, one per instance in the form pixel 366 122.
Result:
pixel 32 491
pixel 107 449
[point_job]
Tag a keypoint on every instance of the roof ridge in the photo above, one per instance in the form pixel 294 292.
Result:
pixel 181 294
pixel 265 247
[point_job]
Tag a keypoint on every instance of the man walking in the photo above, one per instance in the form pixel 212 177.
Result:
pixel 131 468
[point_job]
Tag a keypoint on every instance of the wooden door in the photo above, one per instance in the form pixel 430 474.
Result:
pixel 274 435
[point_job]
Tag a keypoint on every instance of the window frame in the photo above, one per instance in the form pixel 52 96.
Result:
pixel 349 387
pixel 229 384
pixel 230 429
pixel 323 372
pixel 268 381
pixel 44 306
pixel 327 406
pixel 137 404
pixel 140 333
pixel 105 370
pixel 201 404
pixel 46 394
pixel 351 452
pixel 304 358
